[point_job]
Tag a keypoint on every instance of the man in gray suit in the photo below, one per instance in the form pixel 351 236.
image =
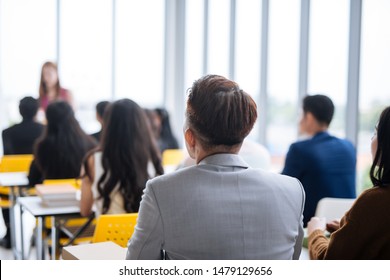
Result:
pixel 220 208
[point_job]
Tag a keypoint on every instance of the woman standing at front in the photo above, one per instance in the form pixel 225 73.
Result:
pixel 50 89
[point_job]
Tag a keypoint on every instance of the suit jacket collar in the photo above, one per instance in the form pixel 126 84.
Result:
pixel 224 160
pixel 321 134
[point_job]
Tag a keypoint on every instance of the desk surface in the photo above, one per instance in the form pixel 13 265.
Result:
pixel 35 206
pixel 94 251
pixel 13 179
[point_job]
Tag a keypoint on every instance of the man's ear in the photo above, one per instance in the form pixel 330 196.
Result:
pixel 310 118
pixel 190 138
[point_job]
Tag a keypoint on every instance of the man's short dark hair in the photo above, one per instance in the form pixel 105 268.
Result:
pixel 28 107
pixel 320 106
pixel 101 107
pixel 219 111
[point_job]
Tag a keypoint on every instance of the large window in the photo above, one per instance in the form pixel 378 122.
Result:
pixel 28 38
pixel 248 48
pixel 374 80
pixel 218 39
pixel 85 54
pixel 139 51
pixel 328 55
pixel 194 41
pixel 283 75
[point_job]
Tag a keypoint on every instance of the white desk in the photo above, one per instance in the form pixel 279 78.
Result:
pixel 12 180
pixel 304 254
pixel 34 205
pixel 95 251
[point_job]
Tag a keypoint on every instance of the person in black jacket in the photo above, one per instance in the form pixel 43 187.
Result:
pixel 20 138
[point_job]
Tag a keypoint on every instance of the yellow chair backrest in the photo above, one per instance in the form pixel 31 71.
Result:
pixel 117 228
pixel 172 157
pixel 16 163
pixel 5 203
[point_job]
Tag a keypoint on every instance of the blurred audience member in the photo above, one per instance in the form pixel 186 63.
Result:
pixel 59 152
pixel 50 89
pixel 20 138
pixel 100 109
pixel 364 231
pixel 325 164
pixel 160 124
pixel 114 176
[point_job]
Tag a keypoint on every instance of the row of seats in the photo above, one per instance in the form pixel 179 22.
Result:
pixel 117 228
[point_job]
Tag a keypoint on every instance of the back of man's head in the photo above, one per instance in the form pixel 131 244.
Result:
pixel 320 106
pixel 28 107
pixel 220 112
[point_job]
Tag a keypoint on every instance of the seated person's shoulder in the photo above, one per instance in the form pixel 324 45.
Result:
pixel 275 177
pixel 373 195
pixel 183 173
pixel 301 147
pixel 9 130
pixel 348 143
pixel 370 203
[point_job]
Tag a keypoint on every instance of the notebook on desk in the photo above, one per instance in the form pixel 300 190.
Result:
pixel 94 251
pixel 57 195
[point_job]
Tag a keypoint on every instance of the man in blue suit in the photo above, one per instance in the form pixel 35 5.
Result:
pixel 326 165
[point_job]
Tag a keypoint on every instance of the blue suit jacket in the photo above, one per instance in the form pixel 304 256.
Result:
pixel 326 167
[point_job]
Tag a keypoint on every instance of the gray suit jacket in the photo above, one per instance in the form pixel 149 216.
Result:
pixel 219 209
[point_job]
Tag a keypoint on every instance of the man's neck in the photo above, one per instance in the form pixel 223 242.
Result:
pixel 202 153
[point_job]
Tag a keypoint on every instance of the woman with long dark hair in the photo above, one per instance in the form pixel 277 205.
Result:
pixel 364 231
pixel 115 175
pixel 59 152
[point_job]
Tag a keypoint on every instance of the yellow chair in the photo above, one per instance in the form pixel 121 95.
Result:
pixel 14 163
pixel 172 157
pixel 4 203
pixel 79 230
pixel 117 228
